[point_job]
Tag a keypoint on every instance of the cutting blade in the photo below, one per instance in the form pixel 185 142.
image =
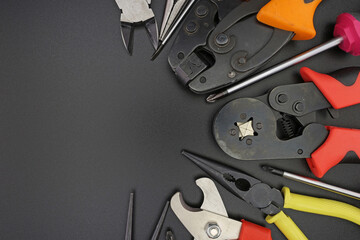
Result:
pixel 152 31
pixel 127 33
pixel 194 220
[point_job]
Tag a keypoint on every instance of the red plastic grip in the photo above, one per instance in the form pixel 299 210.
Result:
pixel 338 95
pixel 339 142
pixel 252 231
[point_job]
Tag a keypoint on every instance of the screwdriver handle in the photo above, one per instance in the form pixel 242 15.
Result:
pixel 348 27
pixel 337 145
pixel 252 231
pixel 321 206
pixel 293 16
pixel 287 226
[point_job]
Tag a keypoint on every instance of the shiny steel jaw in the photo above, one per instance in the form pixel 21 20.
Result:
pixel 200 222
pixel 133 13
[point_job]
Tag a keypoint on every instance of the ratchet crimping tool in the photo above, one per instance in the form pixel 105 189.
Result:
pixel 211 220
pixel 281 124
pixel 210 53
pixel 270 200
pixel 133 13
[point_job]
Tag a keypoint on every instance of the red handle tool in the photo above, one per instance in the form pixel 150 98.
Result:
pixel 252 231
pixel 341 90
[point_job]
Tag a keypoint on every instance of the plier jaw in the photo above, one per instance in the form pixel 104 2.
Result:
pixel 269 134
pixel 211 215
pixel 134 13
pixel 212 51
pixel 260 195
pixel 211 220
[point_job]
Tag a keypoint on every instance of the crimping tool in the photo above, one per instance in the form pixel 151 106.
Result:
pixel 211 53
pixel 282 124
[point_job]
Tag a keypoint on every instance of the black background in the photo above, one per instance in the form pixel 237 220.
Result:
pixel 82 124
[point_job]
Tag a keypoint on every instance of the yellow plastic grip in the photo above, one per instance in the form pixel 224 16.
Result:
pixel 321 206
pixel 287 226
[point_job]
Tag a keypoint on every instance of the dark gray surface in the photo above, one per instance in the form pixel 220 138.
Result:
pixel 82 124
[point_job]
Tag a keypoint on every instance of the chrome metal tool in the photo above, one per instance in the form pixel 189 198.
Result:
pixel 133 13
pixel 175 12
pixel 128 232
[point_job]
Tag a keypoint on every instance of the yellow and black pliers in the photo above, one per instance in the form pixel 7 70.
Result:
pixel 270 200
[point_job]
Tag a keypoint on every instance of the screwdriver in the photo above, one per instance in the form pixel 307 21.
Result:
pixel 346 36
pixel 312 182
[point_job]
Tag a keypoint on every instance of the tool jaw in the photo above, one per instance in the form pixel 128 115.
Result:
pixel 196 27
pixel 192 34
pixel 135 11
pixel 212 200
pixel 260 195
pixel 212 216
pixel 223 54
pixel 269 200
pixel 273 137
pixel 240 56
pixel 242 185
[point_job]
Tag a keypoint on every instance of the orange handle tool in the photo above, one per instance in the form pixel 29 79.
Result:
pixel 291 15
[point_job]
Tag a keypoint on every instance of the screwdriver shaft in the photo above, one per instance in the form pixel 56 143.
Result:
pixel 288 63
pixel 322 185
pixel 312 182
pixel 277 68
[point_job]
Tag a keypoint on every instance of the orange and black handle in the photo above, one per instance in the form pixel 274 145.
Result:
pixel 294 16
pixel 341 89
pixel 252 231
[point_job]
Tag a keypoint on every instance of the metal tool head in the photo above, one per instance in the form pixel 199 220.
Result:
pixel 211 219
pixel 260 195
pixel 271 134
pixel 209 54
pixel 128 232
pixel 133 13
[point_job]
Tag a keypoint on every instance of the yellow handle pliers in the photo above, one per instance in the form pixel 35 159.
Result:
pixel 270 200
